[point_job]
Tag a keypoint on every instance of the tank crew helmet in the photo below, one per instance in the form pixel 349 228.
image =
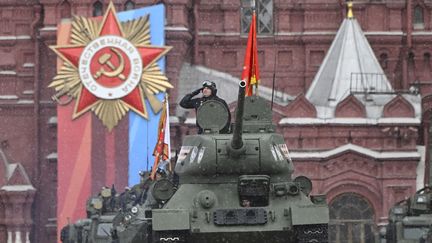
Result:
pixel 211 85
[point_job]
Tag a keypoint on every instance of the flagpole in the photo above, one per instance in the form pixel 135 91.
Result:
pixel 169 152
pixel 254 45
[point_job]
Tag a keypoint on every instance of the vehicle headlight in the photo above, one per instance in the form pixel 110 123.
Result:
pixel 398 210
pixel 421 199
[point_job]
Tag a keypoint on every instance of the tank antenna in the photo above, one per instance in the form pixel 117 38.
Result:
pixel 274 74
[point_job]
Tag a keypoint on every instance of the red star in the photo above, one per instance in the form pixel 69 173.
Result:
pixel 110 26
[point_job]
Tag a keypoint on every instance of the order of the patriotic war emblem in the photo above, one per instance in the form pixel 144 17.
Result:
pixel 110 67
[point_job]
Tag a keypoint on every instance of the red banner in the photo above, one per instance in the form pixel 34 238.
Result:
pixel 250 72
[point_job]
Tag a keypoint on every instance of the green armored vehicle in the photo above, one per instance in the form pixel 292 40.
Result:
pixel 101 212
pixel 234 187
pixel 410 221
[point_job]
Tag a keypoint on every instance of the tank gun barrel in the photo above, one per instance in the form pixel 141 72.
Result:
pixel 237 141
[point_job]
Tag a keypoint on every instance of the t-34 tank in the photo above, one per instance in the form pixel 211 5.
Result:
pixel 410 221
pixel 235 187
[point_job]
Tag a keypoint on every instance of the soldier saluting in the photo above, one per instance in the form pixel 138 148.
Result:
pixel 208 91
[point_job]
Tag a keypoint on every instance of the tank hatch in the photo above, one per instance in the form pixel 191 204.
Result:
pixel 212 116
pixel 257 116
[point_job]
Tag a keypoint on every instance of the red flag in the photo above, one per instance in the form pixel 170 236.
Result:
pixel 162 147
pixel 250 72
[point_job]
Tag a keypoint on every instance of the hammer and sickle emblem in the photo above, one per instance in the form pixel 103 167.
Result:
pixel 115 71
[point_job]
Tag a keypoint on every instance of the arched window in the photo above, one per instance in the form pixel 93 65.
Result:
pixel 418 22
pixel 351 220
pixel 97 9
pixel 264 15
pixel 65 10
pixel 129 5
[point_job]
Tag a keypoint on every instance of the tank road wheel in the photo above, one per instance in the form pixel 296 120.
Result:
pixel 312 233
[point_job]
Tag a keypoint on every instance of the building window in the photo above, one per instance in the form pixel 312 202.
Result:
pixel 129 5
pixel 97 9
pixel 427 57
pixel 65 10
pixel 418 22
pixel 264 13
pixel 427 65
pixel 383 60
pixel 351 220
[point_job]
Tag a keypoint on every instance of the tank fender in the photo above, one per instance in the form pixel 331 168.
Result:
pixel 170 219
pixel 319 214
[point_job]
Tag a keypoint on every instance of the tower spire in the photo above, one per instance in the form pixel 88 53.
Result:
pixel 350 14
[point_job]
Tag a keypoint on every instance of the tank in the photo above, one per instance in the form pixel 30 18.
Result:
pixel 234 187
pixel 410 220
pixel 103 209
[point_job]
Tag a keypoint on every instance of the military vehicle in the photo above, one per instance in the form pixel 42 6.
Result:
pixel 234 187
pixel 101 212
pixel 410 221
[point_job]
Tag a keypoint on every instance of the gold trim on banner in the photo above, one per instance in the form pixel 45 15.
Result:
pixel 138 31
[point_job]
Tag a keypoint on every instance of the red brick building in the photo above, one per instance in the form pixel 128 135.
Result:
pixel 355 162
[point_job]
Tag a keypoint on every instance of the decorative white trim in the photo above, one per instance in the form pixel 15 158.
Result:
pixel 8 97
pixel 28 65
pixel 421 168
pixel 52 120
pixel 282 33
pixel 18 237
pixel 358 149
pixel 15 37
pixel 25 102
pixel 8 72
pixel 52 156
pixel 18 188
pixel 176 28
pixel 28 92
pixel 392 33
pixel 49 28
pixel 351 121
pixel 422 33
pixel 204 33
pixel 9 240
